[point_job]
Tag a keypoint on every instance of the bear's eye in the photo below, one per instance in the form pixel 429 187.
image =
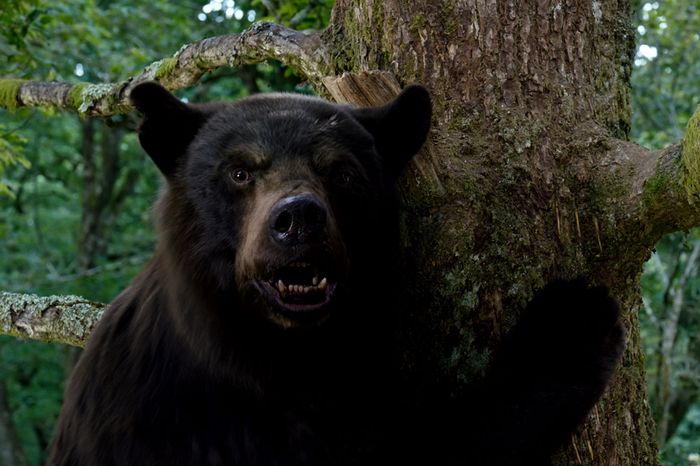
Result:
pixel 344 178
pixel 240 175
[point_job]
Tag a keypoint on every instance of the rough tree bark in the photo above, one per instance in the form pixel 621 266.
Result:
pixel 528 177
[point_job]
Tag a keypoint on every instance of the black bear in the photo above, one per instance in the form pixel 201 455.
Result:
pixel 260 333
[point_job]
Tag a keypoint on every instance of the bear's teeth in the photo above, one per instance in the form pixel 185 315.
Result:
pixel 314 281
pixel 301 289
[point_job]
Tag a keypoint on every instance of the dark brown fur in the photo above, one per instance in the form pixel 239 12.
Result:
pixel 201 362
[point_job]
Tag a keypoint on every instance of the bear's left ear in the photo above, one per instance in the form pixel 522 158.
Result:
pixel 168 127
pixel 399 127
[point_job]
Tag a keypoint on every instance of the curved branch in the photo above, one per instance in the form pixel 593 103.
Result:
pixel 646 192
pixel 653 192
pixel 60 319
pixel 670 188
pixel 666 197
pixel 306 53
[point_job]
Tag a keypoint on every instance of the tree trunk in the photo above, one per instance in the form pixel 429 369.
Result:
pixel 519 184
pixel 100 197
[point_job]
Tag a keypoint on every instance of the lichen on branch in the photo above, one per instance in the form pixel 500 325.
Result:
pixel 305 53
pixel 61 319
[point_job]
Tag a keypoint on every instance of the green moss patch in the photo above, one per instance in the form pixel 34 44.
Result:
pixel 9 88
pixel 75 95
pixel 656 187
pixel 690 157
pixel 165 67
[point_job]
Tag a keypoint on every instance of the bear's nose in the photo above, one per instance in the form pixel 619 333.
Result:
pixel 297 219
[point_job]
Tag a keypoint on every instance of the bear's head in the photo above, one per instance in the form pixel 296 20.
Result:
pixel 281 203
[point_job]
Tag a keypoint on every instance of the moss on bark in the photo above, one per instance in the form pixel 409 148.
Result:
pixel 690 157
pixel 9 88
pixel 75 95
pixel 528 190
pixel 165 67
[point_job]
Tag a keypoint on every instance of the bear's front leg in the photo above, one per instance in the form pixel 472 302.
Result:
pixel 548 374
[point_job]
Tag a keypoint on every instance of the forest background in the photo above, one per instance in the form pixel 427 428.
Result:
pixel 75 193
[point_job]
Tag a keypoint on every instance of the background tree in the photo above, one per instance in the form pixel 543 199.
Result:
pixel 529 175
pixel 666 92
pixel 669 326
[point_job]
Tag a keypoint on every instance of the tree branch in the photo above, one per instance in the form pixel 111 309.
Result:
pixel 650 192
pixel 656 202
pixel 61 319
pixel 665 193
pixel 669 182
pixel 306 53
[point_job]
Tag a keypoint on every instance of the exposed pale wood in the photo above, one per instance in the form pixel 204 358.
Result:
pixel 373 88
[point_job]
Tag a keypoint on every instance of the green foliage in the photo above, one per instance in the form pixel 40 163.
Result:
pixel 39 237
pixel 11 153
pixel 670 279
pixel 33 377
pixel 11 144
pixel 665 88
pixel 300 14
pixel 22 22
pixel 666 93
pixel 683 447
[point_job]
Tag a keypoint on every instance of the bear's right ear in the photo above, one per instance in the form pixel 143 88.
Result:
pixel 168 126
pixel 399 127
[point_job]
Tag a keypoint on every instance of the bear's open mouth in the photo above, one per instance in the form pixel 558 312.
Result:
pixel 299 287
